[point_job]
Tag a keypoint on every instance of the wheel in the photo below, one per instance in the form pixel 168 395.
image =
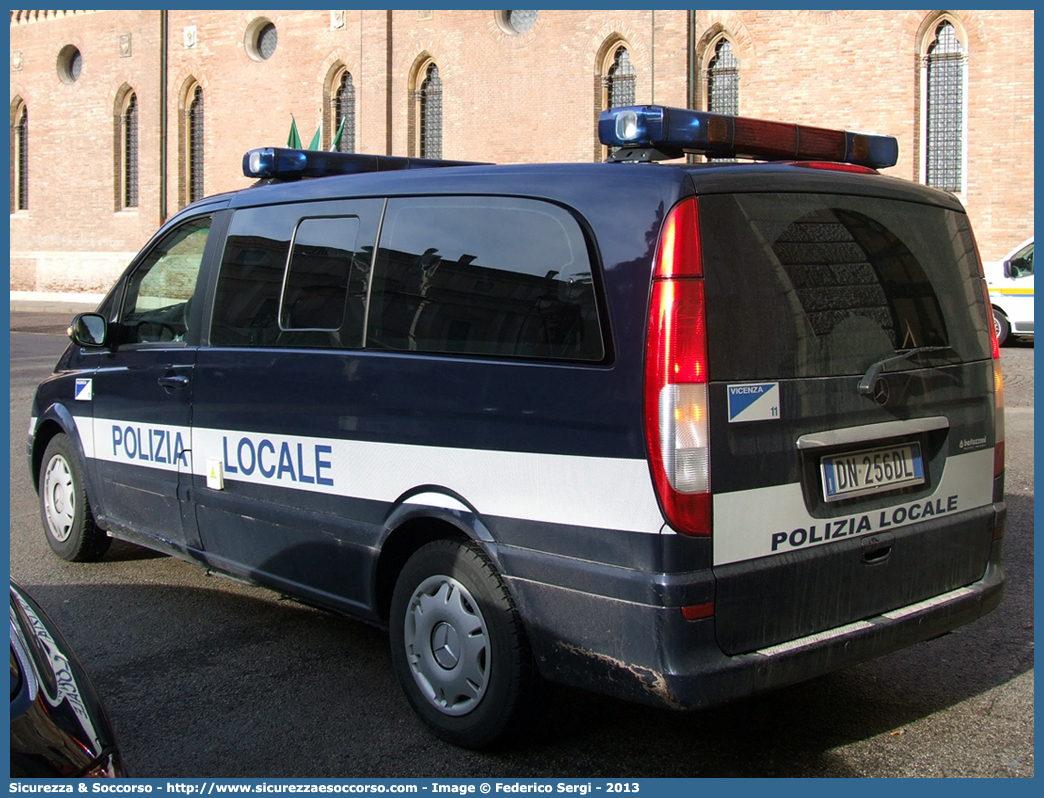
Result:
pixel 66 512
pixel 1001 327
pixel 458 646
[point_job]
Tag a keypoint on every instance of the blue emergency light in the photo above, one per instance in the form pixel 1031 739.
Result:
pixel 280 163
pixel 675 131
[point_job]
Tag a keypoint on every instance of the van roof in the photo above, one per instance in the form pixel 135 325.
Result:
pixel 581 184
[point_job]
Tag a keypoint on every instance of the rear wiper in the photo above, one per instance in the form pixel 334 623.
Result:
pixel 866 385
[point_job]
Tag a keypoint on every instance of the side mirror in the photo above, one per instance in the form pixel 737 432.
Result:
pixel 89 329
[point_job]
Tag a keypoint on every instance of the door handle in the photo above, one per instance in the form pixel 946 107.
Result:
pixel 173 382
pixel 877 548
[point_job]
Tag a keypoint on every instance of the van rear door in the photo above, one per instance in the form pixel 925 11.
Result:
pixel 852 405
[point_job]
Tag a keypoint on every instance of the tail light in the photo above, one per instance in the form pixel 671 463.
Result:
pixel 677 427
pixel 998 389
pixel 998 376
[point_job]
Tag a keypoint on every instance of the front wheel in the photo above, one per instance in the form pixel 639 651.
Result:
pixel 64 508
pixel 1001 327
pixel 458 646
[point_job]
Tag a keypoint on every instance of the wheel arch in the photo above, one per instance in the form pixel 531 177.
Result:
pixel 410 528
pixel 56 420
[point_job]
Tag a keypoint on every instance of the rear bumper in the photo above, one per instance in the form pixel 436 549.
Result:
pixel 653 655
pixel 805 658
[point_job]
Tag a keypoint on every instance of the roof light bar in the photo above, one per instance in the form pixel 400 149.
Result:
pixel 286 164
pixel 674 131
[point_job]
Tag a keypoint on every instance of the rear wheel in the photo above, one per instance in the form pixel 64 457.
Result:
pixel 1001 327
pixel 64 508
pixel 458 646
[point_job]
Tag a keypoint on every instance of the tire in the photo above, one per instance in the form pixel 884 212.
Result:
pixel 64 507
pixel 458 646
pixel 1001 327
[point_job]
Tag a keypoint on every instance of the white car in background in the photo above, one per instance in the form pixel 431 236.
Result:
pixel 1011 292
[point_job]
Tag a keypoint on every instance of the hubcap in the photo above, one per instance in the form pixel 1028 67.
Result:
pixel 447 645
pixel 444 643
pixel 59 497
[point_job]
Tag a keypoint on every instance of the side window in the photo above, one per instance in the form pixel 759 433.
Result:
pixel 295 276
pixel 1022 264
pixel 316 286
pixel 483 276
pixel 160 290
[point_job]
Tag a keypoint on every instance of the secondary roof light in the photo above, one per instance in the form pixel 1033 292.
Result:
pixel 288 164
pixel 674 131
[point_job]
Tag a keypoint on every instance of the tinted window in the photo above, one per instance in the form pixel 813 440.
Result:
pixel 483 276
pixel 295 275
pixel 317 278
pixel 825 285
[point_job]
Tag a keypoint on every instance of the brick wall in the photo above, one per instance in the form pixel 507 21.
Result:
pixel 859 70
pixel 71 238
pixel 527 97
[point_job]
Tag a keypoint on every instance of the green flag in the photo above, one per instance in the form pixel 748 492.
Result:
pixel 316 139
pixel 294 140
pixel 337 138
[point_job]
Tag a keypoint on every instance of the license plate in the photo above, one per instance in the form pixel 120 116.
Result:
pixel 871 471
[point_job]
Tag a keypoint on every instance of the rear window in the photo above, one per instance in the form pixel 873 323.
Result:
pixel 491 276
pixel 817 285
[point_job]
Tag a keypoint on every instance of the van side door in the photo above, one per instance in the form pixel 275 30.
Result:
pixel 274 391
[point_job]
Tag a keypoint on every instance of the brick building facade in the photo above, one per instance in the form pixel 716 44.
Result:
pixel 199 88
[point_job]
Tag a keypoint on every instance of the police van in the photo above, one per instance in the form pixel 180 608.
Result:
pixel 675 432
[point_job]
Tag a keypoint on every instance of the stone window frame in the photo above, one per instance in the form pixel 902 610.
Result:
pixel 69 64
pixel 420 108
pixel 252 39
pixel 606 62
pixel 126 149
pixel 505 23
pixel 191 144
pixel 927 37
pixel 707 57
pixel 19 156
pixel 331 104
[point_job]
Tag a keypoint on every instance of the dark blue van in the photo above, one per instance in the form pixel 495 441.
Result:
pixel 676 432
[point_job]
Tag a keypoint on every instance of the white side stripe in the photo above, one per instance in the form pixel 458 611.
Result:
pixel 135 443
pixel 597 492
